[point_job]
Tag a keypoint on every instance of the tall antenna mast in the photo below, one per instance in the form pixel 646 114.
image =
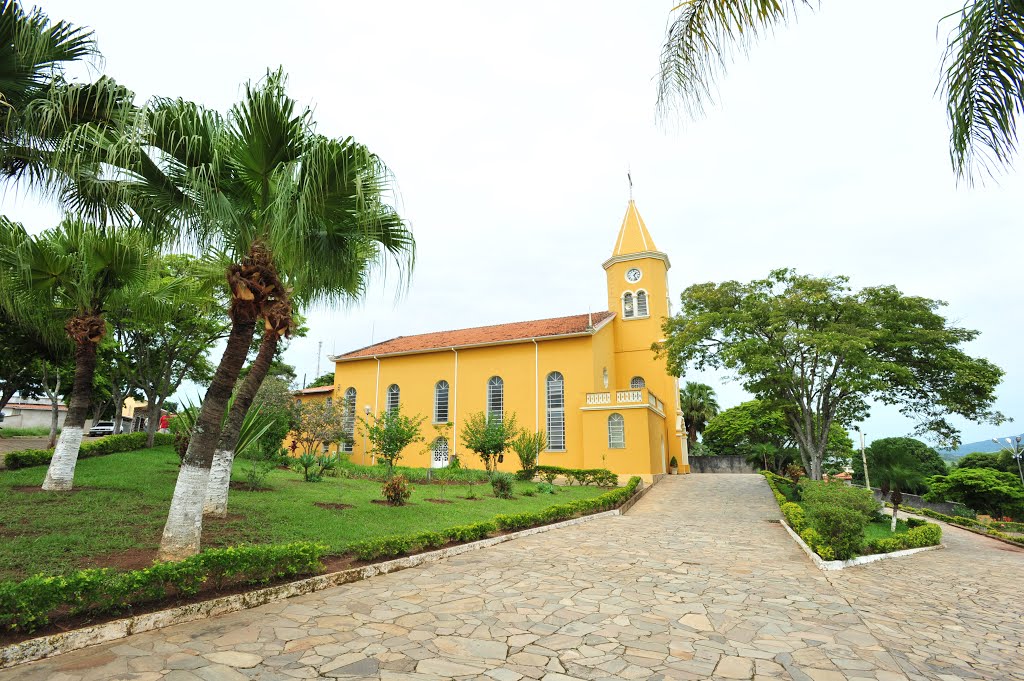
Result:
pixel 629 176
pixel 319 351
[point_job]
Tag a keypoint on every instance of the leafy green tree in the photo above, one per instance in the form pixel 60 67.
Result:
pixel 321 381
pixel 994 461
pixel 158 355
pixel 21 350
pixel 489 437
pixel 391 432
pixel 820 352
pixel 985 490
pixel 528 446
pixel 76 273
pixel 318 424
pixel 300 218
pixel 275 399
pixel 698 404
pixel 916 454
pixel 982 75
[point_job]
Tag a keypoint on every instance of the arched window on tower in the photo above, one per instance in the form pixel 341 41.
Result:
pixel 641 303
pixel 495 398
pixel 616 432
pixel 441 402
pixel 348 420
pixel 637 383
pixel 627 305
pixel 394 396
pixel 556 412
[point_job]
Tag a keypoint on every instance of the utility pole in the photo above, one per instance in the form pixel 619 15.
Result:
pixel 864 458
pixel 319 351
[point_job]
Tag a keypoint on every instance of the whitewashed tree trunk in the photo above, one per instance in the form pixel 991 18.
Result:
pixel 185 520
pixel 893 526
pixel 61 473
pixel 220 481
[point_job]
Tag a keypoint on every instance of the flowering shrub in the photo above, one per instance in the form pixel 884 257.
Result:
pixel 396 490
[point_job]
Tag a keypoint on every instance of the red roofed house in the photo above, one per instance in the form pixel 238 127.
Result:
pixel 589 381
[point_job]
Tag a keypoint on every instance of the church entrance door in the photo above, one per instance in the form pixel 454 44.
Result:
pixel 440 457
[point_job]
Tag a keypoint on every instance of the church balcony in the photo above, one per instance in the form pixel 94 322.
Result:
pixel 626 397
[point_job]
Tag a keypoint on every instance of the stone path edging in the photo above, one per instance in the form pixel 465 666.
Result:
pixel 55 644
pixel 830 565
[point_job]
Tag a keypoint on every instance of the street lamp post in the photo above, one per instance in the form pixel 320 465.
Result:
pixel 864 458
pixel 1016 451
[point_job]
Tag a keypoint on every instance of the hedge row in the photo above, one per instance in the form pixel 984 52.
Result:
pixel 989 529
pixel 928 534
pixel 28 605
pixel 602 477
pixel 388 547
pixel 421 476
pixel 127 442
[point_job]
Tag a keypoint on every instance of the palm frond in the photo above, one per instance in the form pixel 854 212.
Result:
pixel 703 36
pixel 983 82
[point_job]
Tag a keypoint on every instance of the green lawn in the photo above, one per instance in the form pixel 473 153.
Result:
pixel 881 530
pixel 117 514
pixel 37 431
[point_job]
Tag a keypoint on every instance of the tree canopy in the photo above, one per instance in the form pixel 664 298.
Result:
pixel 820 352
pixel 912 454
pixel 983 489
pixel 698 404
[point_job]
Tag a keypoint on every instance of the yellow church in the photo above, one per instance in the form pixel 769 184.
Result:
pixel 589 381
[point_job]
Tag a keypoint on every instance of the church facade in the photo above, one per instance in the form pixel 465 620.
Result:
pixel 589 381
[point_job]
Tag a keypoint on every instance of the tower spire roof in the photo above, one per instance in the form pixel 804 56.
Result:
pixel 633 235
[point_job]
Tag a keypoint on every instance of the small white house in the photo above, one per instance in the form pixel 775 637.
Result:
pixel 31 414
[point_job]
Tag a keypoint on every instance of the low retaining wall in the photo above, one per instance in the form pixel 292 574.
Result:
pixel 732 463
pixel 946 507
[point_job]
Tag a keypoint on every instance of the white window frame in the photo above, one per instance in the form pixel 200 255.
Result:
pixel 555 410
pixel 642 309
pixel 441 395
pixel 616 431
pixel 496 398
pixel 394 397
pixel 637 383
pixel 348 419
pixel 628 306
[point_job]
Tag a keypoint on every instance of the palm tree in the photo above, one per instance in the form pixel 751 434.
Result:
pixel 698 404
pixel 982 75
pixel 297 218
pixel 896 471
pixel 75 273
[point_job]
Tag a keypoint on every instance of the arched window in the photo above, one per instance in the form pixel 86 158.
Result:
pixel 440 453
pixel 637 383
pixel 556 412
pixel 627 305
pixel 441 402
pixel 394 394
pixel 348 419
pixel 616 432
pixel 641 303
pixel 330 400
pixel 495 398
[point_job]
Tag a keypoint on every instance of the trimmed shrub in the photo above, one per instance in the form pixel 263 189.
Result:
pixel 817 493
pixel 928 534
pixel 111 444
pixel 28 605
pixel 501 483
pixel 841 529
pixel 602 477
pixel 396 490
pixel 794 516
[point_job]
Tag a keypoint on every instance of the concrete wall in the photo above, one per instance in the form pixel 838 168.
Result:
pixel 946 507
pixel 720 464
pixel 30 418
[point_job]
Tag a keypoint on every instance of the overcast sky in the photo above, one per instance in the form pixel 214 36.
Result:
pixel 510 127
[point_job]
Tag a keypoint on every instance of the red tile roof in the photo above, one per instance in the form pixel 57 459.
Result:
pixel 316 390
pixel 483 335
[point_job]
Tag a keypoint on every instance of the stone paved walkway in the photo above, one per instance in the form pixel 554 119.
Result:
pixel 695 582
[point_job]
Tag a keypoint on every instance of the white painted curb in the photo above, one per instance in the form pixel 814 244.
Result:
pixel 55 644
pixel 830 565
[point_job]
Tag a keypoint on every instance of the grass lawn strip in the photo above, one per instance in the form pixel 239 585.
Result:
pixel 117 513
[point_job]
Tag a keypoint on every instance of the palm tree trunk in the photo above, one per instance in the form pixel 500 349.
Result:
pixel 61 473
pixel 220 473
pixel 185 520
pixel 691 435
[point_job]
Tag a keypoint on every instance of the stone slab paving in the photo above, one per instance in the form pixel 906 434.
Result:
pixel 695 582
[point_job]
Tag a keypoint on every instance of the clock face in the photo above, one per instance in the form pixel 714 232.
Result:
pixel 633 275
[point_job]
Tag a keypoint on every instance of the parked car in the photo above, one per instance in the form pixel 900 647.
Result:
pixel 101 428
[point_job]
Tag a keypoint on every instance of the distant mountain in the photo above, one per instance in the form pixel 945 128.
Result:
pixel 986 446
